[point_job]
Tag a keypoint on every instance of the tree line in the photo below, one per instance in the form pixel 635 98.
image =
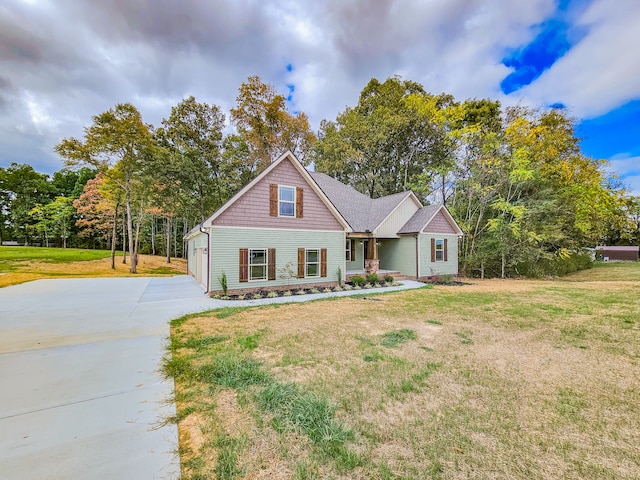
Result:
pixel 514 178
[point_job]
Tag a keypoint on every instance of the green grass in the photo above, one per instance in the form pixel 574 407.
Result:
pixel 10 255
pixel 520 379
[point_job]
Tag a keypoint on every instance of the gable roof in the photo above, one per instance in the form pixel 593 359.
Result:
pixel 423 217
pixel 287 156
pixel 364 214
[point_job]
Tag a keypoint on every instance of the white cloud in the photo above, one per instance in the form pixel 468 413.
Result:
pixel 627 168
pixel 600 73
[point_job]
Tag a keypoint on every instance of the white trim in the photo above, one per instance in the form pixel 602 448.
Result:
pixel 296 163
pixel 295 193
pixel 409 195
pixel 266 265
pixel 435 252
pixel 448 217
pixel 271 229
pixel 318 263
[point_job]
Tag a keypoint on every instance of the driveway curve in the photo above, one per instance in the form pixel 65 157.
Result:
pixel 82 395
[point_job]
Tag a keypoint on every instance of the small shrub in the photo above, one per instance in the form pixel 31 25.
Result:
pixel 301 292
pixel 314 290
pixel 347 287
pixel 241 297
pixel 447 278
pixel 373 278
pixel 395 284
pixel 357 287
pixel 256 296
pixel 376 285
pixel 225 297
pixel 223 282
pixel 368 285
pixel 327 290
pixel 287 293
pixel 388 278
pixel 337 288
pixel 339 275
pixel 388 284
pixel 357 280
pixel 272 295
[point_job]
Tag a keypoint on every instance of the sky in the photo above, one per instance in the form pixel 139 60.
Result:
pixel 63 61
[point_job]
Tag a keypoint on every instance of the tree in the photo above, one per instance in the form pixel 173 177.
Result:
pixel 193 136
pixel 21 189
pixel 394 139
pixel 117 139
pixel 262 118
pixel 95 212
pixel 54 220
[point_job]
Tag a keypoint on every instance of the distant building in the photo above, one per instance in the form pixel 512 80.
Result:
pixel 618 253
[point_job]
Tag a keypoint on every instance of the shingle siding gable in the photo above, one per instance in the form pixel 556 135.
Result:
pixel 252 208
pixel 439 224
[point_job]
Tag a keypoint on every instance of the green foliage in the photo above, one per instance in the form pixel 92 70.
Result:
pixel 230 369
pixel 388 278
pixel 372 278
pixel 357 280
pixel 223 282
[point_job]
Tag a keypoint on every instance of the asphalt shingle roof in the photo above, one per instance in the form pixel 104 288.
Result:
pixel 361 212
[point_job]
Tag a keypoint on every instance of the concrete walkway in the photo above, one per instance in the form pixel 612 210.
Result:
pixel 82 395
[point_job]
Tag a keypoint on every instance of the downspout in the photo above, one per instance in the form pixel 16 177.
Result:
pixel 417 237
pixel 208 257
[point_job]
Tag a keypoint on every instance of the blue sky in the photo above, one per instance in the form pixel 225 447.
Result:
pixel 64 61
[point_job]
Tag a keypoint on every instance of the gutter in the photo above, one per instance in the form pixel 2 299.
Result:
pixel 208 257
pixel 417 237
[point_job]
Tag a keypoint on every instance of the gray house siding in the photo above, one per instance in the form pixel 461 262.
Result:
pixel 226 243
pixel 398 255
pixel 429 268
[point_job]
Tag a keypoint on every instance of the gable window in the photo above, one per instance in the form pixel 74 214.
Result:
pixel 286 201
pixel 438 250
pixel 257 264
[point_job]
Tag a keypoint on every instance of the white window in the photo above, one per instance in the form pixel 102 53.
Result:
pixel 312 263
pixel 258 264
pixel 286 201
pixel 439 250
pixel 349 253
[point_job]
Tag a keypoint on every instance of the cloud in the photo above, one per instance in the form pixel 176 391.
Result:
pixel 627 168
pixel 64 61
pixel 600 72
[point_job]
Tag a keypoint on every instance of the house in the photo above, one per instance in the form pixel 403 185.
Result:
pixel 290 227
pixel 618 253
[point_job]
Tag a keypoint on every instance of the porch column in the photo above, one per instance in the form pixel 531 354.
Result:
pixel 372 263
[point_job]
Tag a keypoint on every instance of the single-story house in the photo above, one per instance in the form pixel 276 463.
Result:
pixel 290 227
pixel 618 253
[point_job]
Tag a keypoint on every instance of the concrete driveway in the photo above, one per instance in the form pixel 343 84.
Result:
pixel 81 394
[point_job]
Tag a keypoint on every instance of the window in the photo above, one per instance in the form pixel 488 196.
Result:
pixel 312 263
pixel 258 264
pixel 349 253
pixel 439 250
pixel 286 201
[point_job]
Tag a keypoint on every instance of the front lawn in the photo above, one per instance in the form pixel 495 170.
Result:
pixel 492 380
pixel 23 264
